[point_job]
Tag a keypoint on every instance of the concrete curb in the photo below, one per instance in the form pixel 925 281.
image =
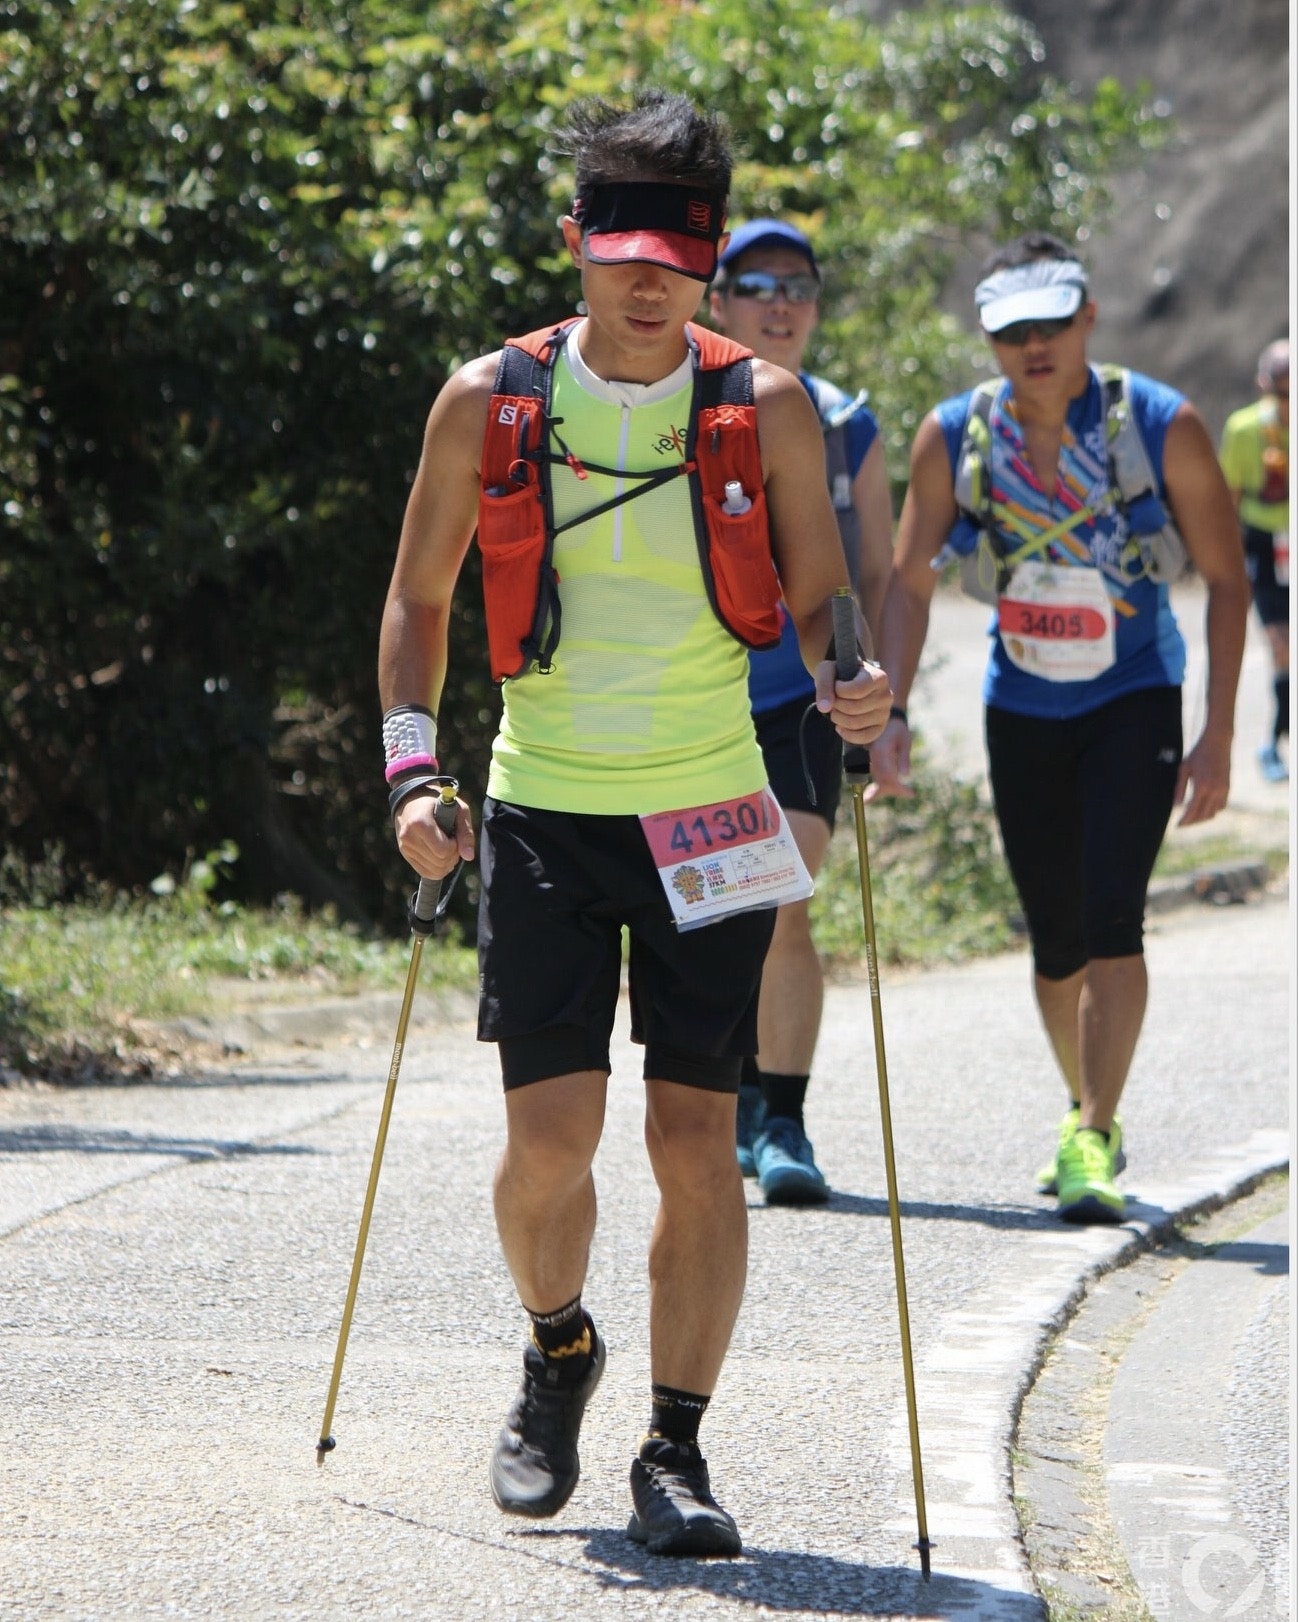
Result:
pixel 971 1386
pixel 1219 886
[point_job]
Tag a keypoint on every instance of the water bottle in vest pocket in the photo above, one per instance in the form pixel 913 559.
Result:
pixel 512 537
pixel 744 580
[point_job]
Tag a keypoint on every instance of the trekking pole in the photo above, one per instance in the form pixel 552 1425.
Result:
pixel 856 768
pixel 423 913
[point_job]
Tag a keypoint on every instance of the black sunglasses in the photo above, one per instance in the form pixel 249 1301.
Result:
pixel 802 288
pixel 1019 332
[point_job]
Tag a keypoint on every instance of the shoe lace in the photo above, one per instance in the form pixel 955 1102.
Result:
pixel 1093 1151
pixel 681 1475
pixel 787 1136
pixel 542 1415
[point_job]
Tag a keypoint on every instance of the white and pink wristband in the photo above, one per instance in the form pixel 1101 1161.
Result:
pixel 409 740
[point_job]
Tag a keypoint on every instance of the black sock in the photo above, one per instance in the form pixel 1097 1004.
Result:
pixel 562 1334
pixel 676 1415
pixel 1281 685
pixel 784 1095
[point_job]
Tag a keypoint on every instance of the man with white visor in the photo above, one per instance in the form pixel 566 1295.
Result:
pixel 1061 487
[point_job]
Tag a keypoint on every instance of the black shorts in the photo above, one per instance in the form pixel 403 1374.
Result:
pixel 786 738
pixel 1269 597
pixel 557 887
pixel 1083 805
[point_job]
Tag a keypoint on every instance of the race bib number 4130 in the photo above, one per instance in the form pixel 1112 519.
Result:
pixel 715 860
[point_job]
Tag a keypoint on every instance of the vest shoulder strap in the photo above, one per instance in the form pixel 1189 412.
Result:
pixel 973 484
pixel 1131 474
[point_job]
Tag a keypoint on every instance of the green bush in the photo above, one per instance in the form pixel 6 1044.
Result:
pixel 242 244
pixel 939 884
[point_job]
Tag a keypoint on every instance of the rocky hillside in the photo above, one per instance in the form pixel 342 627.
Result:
pixel 1192 272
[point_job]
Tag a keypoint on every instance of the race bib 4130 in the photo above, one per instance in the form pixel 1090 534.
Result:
pixel 715 860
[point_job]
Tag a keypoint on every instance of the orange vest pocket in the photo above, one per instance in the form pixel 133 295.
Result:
pixel 747 586
pixel 511 537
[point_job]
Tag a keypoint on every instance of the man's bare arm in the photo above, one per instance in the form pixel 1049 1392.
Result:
pixel 927 515
pixel 872 499
pixel 808 549
pixel 1205 514
pixel 440 517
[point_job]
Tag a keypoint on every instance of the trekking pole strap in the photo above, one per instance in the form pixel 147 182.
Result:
pixel 427 907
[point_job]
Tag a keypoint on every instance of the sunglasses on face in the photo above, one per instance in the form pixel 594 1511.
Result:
pixel 766 288
pixel 1020 332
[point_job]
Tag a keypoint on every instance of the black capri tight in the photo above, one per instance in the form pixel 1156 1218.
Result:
pixel 1083 805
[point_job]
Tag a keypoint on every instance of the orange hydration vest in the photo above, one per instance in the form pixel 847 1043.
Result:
pixel 516 528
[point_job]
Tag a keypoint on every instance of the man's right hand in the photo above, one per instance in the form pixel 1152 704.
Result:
pixel 429 851
pixel 890 763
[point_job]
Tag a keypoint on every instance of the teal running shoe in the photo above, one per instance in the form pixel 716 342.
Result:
pixel 1271 766
pixel 748 1123
pixel 786 1165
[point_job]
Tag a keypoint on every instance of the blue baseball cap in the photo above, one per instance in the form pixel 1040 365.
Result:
pixel 766 234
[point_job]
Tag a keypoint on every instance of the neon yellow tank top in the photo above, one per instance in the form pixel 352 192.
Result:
pixel 646 707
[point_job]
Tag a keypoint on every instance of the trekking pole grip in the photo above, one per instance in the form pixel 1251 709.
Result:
pixel 856 759
pixel 422 910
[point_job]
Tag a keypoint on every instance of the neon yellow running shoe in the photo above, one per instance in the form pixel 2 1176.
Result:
pixel 1048 1175
pixel 1086 1171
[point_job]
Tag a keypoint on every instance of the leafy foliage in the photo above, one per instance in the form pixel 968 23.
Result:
pixel 939 884
pixel 242 244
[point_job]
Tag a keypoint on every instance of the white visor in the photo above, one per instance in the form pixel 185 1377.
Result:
pixel 1045 290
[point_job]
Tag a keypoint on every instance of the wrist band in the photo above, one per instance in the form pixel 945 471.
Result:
pixel 415 781
pixel 409 739
pixel 897 713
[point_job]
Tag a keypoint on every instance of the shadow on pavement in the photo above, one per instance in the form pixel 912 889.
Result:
pixel 35 1140
pixel 784 1580
pixel 993 1216
pixel 1269 1260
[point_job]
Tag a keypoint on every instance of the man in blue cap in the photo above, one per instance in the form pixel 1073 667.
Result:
pixel 767 297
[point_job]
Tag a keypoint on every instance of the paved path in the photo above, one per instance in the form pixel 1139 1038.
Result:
pixel 1198 1455
pixel 173 1259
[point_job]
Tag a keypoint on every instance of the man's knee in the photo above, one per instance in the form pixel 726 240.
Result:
pixel 554 1127
pixel 690 1134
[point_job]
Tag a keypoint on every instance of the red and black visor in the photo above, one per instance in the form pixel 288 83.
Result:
pixel 677 227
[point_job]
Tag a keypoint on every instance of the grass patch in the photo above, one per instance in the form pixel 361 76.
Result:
pixel 1178 858
pixel 76 977
pixel 940 886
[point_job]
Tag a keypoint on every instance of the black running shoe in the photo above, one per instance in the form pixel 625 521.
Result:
pixel 535 1467
pixel 675 1512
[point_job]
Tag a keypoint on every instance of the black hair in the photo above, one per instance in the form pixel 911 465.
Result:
pixel 661 136
pixel 1025 250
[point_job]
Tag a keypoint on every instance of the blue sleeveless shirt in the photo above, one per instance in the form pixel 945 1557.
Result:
pixel 1149 648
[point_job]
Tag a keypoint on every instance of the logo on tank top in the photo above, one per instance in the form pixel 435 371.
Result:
pixel 672 441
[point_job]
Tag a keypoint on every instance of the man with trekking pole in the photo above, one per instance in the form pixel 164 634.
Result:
pixel 635 483
pixel 766 297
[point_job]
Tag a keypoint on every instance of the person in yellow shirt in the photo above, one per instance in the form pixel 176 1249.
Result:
pixel 1255 460
pixel 626 759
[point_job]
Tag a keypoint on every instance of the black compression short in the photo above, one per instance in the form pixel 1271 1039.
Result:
pixel 1270 598
pixel 784 735
pixel 557 888
pixel 1083 805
